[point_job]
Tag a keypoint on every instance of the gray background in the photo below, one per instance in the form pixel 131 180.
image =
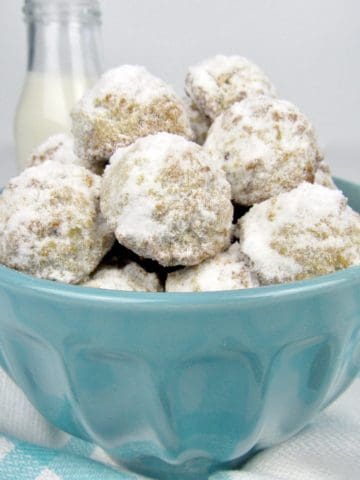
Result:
pixel 310 49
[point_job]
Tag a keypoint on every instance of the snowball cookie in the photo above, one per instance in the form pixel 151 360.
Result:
pixel 165 202
pixel 126 103
pixel 266 146
pixel 60 148
pixel 229 270
pixel 323 175
pixel 217 83
pixel 51 225
pixel 300 234
pixel 129 278
pixel 199 122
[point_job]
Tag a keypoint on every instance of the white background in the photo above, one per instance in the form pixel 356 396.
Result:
pixel 309 48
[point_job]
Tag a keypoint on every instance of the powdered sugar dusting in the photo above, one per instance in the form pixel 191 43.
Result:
pixel 217 83
pixel 132 81
pixel 200 123
pixel 59 148
pixel 229 270
pixel 323 175
pixel 266 146
pixel 51 224
pixel 307 232
pixel 129 278
pixel 126 103
pixel 165 202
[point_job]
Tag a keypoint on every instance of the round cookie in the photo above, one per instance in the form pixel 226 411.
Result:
pixel 125 104
pixel 199 122
pixel 226 271
pixel 323 175
pixel 219 82
pixel 165 202
pixel 129 278
pixel 266 146
pixel 51 225
pixel 300 234
pixel 60 148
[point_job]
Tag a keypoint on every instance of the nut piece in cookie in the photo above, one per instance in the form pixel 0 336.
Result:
pixel 165 202
pixel 125 104
pixel 51 225
pixel 266 146
pixel 219 82
pixel 304 233
pixel 226 271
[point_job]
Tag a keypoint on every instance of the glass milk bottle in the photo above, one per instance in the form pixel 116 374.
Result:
pixel 64 60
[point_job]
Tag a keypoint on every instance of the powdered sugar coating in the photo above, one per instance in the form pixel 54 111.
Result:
pixel 165 202
pixel 199 122
pixel 226 271
pixel 51 226
pixel 125 104
pixel 60 148
pixel 129 278
pixel 219 82
pixel 307 232
pixel 323 175
pixel 266 146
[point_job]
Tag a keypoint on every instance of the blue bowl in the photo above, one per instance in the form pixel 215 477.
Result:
pixel 179 385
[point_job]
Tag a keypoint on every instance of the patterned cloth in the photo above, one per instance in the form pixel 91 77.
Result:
pixel 31 449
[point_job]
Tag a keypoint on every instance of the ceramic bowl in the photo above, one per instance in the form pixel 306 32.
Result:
pixel 179 385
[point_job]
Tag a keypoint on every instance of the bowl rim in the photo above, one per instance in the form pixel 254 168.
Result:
pixel 342 278
pixel 12 278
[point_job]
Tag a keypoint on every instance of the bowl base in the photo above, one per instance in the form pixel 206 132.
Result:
pixel 196 469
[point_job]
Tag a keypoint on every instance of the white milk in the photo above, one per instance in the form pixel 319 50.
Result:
pixel 44 109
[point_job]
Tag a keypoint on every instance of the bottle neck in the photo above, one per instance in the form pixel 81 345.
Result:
pixel 64 37
pixel 62 10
